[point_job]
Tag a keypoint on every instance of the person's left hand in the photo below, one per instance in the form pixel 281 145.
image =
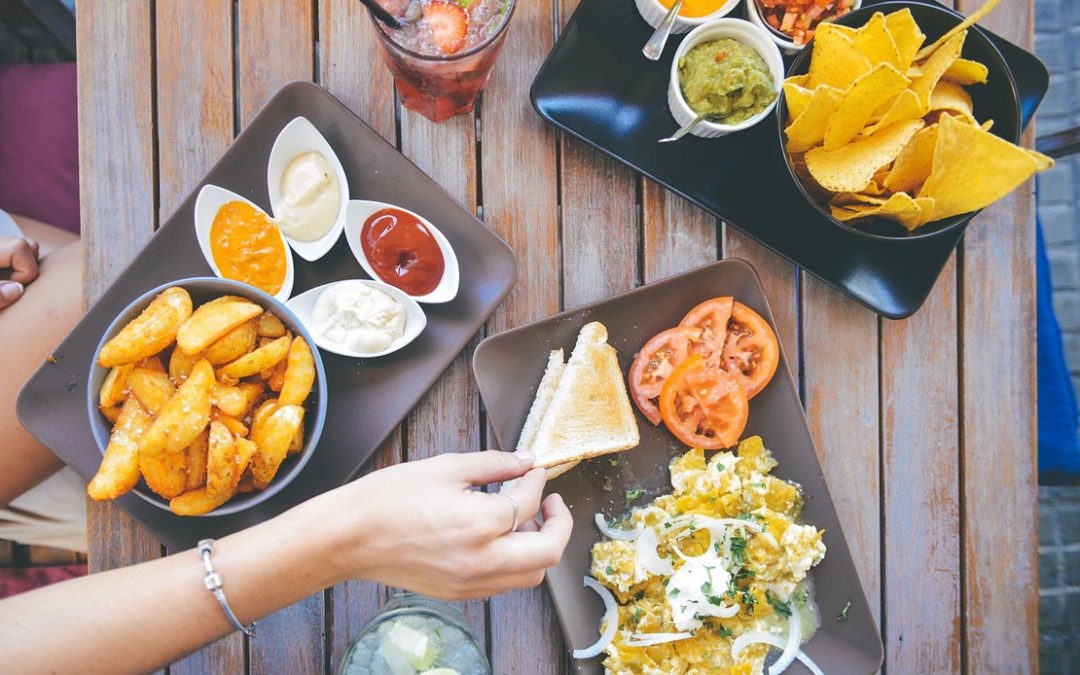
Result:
pixel 19 264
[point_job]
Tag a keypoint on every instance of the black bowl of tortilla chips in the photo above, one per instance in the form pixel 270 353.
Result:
pixel 897 123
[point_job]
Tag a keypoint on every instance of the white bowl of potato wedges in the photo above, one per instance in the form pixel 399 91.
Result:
pixel 206 397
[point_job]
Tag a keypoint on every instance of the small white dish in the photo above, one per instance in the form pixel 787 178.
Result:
pixel 211 198
pixel 303 306
pixel 736 29
pixel 653 13
pixel 357 211
pixel 296 138
pixel 785 43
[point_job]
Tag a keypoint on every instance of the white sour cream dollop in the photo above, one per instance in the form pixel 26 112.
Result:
pixel 359 317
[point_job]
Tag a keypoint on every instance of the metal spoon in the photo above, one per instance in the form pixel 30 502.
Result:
pixel 655 46
pixel 693 123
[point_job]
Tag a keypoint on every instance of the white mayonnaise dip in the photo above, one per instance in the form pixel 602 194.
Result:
pixel 310 198
pixel 360 317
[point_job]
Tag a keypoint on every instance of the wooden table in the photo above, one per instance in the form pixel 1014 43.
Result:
pixel 928 423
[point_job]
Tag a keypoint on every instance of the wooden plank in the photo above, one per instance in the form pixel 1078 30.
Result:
pixel 676 235
pixel 7 553
pixel 116 172
pixel 195 117
pixel 47 555
pixel 920 484
pixel 275 47
pixel 351 69
pixel 520 191
pixel 997 309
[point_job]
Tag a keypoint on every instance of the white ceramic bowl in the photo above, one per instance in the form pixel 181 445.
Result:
pixel 653 12
pixel 357 211
pixel 303 306
pixel 296 138
pixel 753 11
pixel 736 29
pixel 210 199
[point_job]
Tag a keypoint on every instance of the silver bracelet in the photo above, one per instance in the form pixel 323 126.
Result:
pixel 213 583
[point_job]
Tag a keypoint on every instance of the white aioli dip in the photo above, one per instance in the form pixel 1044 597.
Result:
pixel 310 198
pixel 359 317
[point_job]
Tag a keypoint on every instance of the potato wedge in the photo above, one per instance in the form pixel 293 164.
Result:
pixel 150 332
pixel 231 423
pixel 112 414
pixel 272 437
pixel 151 363
pixel 269 325
pixel 185 415
pixel 196 503
pixel 197 452
pixel 232 345
pixel 228 459
pixel 253 394
pixel 256 361
pixel 154 389
pixel 119 470
pixel 166 474
pixel 277 376
pixel 297 442
pixel 265 408
pixel 180 365
pixel 246 484
pixel 230 400
pixel 299 374
pixel 115 387
pixel 213 320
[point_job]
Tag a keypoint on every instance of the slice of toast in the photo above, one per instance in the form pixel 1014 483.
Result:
pixel 589 413
pixel 544 393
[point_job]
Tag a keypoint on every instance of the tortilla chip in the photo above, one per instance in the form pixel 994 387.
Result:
pixel 835 61
pixel 973 169
pixel 905 34
pixel 935 67
pixel 808 129
pixel 914 163
pixel 906 106
pixel 987 125
pixel 957 29
pixel 798 79
pixel 900 207
pixel 1042 161
pixel 851 168
pixel 965 71
pixel 876 43
pixel 797 98
pixel 951 96
pixel 859 102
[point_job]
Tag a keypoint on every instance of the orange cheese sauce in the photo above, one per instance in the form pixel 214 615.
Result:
pixel 247 247
pixel 695 9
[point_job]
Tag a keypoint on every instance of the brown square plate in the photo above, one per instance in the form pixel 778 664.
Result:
pixel 366 398
pixel 508 368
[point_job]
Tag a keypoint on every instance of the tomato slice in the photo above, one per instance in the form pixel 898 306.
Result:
pixel 751 352
pixel 711 319
pixel 652 365
pixel 703 406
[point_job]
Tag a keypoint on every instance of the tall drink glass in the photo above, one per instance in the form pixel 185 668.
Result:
pixel 439 85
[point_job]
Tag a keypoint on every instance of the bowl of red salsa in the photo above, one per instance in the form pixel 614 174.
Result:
pixel 792 23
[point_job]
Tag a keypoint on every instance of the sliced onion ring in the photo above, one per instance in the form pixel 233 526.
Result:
pixel 614 533
pixel 648 558
pixel 610 621
pixel 652 639
pixel 740 643
pixel 791 649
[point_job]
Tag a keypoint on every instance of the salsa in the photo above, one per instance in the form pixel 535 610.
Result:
pixel 402 251
pixel 798 19
pixel 247 247
pixel 726 80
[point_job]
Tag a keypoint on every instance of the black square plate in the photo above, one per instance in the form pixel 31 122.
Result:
pixel 508 368
pixel 597 86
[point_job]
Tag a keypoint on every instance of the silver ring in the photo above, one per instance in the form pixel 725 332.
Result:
pixel 514 503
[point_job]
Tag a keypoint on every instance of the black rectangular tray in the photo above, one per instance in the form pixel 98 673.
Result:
pixel 368 398
pixel 508 368
pixel 596 85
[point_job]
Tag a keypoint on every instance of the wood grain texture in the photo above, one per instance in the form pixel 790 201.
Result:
pixel 117 200
pixel 195 119
pixel 840 384
pixel 997 309
pixel 920 485
pixel 275 47
pixel 676 235
pixel 519 199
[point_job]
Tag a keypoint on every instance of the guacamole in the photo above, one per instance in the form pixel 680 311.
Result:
pixel 725 78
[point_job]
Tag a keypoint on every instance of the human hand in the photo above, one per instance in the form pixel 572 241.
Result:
pixel 19 262
pixel 419 526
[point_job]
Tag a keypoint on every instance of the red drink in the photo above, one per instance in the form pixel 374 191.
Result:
pixel 442 58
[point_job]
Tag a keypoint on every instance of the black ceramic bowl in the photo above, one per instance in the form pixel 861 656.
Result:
pixel 203 289
pixel 996 100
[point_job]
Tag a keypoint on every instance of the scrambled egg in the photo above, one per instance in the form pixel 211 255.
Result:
pixel 729 559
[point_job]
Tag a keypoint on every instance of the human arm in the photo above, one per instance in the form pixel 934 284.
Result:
pixel 18 267
pixel 415 525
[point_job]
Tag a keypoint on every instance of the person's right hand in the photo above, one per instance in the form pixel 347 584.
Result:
pixel 19 263
pixel 419 526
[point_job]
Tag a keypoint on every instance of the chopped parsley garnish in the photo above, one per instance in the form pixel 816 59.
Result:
pixel 751 516
pixel 666 581
pixel 745 573
pixel 779 605
pixel 673 591
pixel 799 598
pixel 609 570
pixel 748 601
pixel 732 590
pixel 757 485
pixel 634 494
pixel 719 466
pixel 738 550
pixel 715 600
pixel 639 595
pixel 724 632
pixel 638 613
pixel 706 587
pixel 613 462
pixel 844 611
